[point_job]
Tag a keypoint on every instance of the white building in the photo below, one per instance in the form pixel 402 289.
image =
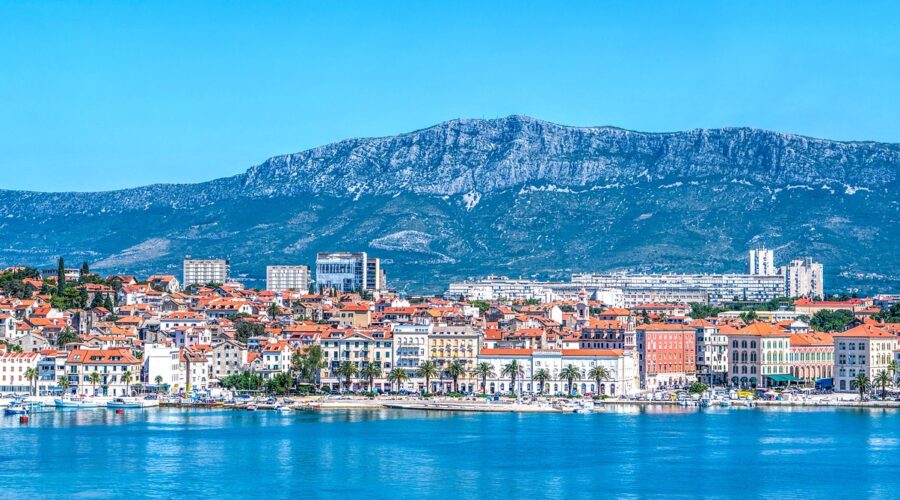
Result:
pixel 162 361
pixel 717 288
pixel 411 350
pixel 863 349
pixel 12 371
pixel 621 366
pixel 203 271
pixel 342 271
pixel 280 278
pixel 110 367
pixel 804 278
pixel 712 353
pixel 762 262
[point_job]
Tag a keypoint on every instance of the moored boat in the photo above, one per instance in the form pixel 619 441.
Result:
pixel 124 403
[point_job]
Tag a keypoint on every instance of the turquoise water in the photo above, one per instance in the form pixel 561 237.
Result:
pixel 663 452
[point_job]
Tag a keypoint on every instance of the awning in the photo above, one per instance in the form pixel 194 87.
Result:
pixel 783 378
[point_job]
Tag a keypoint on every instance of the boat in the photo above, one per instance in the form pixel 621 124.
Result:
pixel 705 402
pixel 584 407
pixel 124 403
pixel 251 407
pixel 16 409
pixel 149 400
pixel 724 403
pixel 78 402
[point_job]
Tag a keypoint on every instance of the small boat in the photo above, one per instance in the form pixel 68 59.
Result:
pixel 705 402
pixel 77 403
pixel 149 401
pixel 251 407
pixel 16 409
pixel 124 403
pixel 584 407
pixel 724 403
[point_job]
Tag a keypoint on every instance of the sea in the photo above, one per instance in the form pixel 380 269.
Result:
pixel 617 452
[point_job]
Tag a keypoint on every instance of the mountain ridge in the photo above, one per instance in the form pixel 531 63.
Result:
pixel 509 194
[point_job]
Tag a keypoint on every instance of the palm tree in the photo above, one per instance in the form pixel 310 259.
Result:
pixel 513 369
pixel 861 383
pixel 428 370
pixel 273 311
pixel 893 368
pixel 95 379
pixel 347 369
pixel 542 376
pixel 456 369
pixel 314 363
pixel 599 374
pixel 31 375
pixel 484 370
pixel 397 375
pixel 126 377
pixel 158 381
pixel 883 378
pixel 371 371
pixel 570 374
pixel 64 383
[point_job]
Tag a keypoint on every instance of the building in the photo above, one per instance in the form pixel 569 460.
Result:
pixel 376 278
pixel 762 262
pixel 811 307
pixel 110 367
pixel 812 356
pixel 228 357
pixel 281 278
pixel 760 356
pixel 203 271
pixel 803 278
pixel 359 348
pixel 342 271
pixel 666 355
pixel 623 379
pixel 449 343
pixel 12 371
pixel 410 351
pixel 686 288
pixel 712 353
pixel 864 349
pixel 161 361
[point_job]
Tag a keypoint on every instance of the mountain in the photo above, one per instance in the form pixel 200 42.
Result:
pixel 514 196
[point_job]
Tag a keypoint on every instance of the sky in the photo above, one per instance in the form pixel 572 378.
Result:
pixel 106 95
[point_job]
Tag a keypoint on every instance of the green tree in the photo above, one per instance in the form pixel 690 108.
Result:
pixel 370 372
pixel 66 336
pixel 697 387
pixel 159 381
pixel 861 383
pixel 889 315
pixel 127 377
pixel 570 374
pixel 484 370
pixel 95 379
pixel 749 316
pixel 31 375
pixel 831 321
pixel 701 311
pixel 108 304
pixel 85 269
pixel 599 374
pixel 60 276
pixel 398 376
pixel 245 330
pixel 513 370
pixel 347 370
pixel 883 379
pixel 273 311
pixel 64 383
pixel 542 376
pixel 428 370
pixel 892 368
pixel 455 370
pixel 312 364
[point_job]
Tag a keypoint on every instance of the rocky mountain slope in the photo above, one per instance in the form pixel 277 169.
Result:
pixel 514 196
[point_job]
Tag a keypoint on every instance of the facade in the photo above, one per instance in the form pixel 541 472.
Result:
pixel 161 361
pixel 110 365
pixel 203 271
pixel 359 348
pixel 812 356
pixel 342 271
pixel 621 366
pixel 863 349
pixel 762 262
pixel 760 356
pixel 712 353
pixel 410 351
pixel 804 278
pixel 227 358
pixel 12 371
pixel 449 343
pixel 719 288
pixel 666 355
pixel 281 278
pixel 376 279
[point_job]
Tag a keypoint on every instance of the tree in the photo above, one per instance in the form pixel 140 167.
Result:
pixel 645 317
pixel 599 374
pixel 127 377
pixel 348 370
pixel 513 370
pixel 12 348
pixel 60 276
pixel 455 370
pixel 245 330
pixel 883 378
pixel 159 381
pixel 370 372
pixel 64 383
pixel 428 370
pixel 570 374
pixel 108 304
pixel 892 368
pixel 274 310
pixel 66 336
pixel 701 311
pixel 484 370
pixel 85 269
pixel 697 387
pixel 31 375
pixel 831 321
pixel 282 382
pixel 861 383
pixel 95 379
pixel 397 375
pixel 542 376
pixel 749 316
pixel 889 315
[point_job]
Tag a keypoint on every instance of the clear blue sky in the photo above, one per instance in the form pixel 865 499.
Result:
pixel 102 95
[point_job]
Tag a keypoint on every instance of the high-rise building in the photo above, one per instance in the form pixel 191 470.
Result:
pixel 762 262
pixel 280 278
pixel 203 271
pixel 342 271
pixel 804 278
pixel 376 280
